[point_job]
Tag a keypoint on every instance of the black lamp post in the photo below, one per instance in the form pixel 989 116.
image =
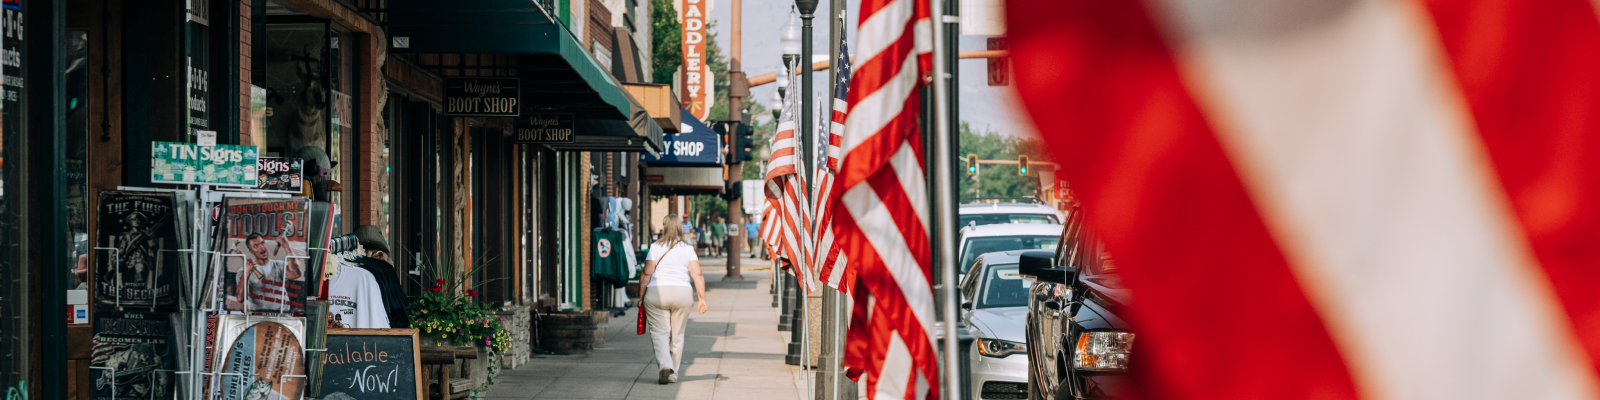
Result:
pixel 808 9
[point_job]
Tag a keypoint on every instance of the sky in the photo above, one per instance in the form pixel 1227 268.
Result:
pixel 982 105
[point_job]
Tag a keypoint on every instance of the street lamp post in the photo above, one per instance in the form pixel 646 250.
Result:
pixel 808 9
pixel 789 39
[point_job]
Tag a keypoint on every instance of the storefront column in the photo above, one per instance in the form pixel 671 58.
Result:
pixel 46 128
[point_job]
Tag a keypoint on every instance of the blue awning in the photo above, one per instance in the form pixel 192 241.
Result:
pixel 696 145
pixel 561 78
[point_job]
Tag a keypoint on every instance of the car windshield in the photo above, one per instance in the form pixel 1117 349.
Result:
pixel 991 219
pixel 1003 287
pixel 979 245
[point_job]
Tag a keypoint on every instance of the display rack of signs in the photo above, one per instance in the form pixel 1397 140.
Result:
pixel 482 97
pixel 189 163
pixel 279 175
pixel 544 128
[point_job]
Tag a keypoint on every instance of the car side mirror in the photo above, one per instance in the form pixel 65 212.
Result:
pixel 1040 266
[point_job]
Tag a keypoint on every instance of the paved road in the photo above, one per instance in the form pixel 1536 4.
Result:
pixel 733 351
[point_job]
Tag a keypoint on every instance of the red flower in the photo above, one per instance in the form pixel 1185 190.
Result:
pixel 439 281
pixel 472 293
pixel 434 289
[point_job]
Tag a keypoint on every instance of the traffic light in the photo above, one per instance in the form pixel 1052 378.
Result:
pixel 1022 164
pixel 972 164
pixel 747 143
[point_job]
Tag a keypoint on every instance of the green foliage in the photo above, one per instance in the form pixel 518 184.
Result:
pixel 666 42
pixel 706 206
pixel 998 181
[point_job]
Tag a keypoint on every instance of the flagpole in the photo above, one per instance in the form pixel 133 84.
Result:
pixel 944 206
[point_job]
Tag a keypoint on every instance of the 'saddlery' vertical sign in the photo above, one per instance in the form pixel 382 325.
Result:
pixel 482 97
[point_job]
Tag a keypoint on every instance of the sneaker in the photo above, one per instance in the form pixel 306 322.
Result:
pixel 667 376
pixel 673 378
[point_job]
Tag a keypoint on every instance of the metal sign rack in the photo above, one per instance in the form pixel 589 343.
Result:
pixel 196 375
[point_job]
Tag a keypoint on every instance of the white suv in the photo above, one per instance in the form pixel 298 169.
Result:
pixel 977 240
pixel 1007 213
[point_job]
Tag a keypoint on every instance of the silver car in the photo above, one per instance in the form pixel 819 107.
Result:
pixel 995 308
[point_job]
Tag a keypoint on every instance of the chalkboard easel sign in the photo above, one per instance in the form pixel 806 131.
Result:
pixel 374 364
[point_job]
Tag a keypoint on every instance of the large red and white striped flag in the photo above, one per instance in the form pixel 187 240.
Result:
pixel 829 261
pixel 1364 199
pixel 787 188
pixel 881 219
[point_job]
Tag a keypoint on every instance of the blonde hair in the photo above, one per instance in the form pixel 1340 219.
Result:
pixel 671 231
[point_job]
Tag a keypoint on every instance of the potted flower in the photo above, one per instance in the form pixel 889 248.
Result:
pixel 447 314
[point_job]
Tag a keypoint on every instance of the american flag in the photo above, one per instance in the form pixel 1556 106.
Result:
pixel 1338 200
pixel 830 262
pixel 787 188
pixel 883 226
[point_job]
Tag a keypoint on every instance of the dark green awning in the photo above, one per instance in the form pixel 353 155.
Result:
pixel 562 77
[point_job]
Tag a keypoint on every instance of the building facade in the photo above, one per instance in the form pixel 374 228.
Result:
pixel 90 85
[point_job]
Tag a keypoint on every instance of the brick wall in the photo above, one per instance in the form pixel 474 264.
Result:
pixel 244 72
pixel 369 180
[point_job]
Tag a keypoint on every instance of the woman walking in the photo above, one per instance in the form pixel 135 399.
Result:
pixel 669 268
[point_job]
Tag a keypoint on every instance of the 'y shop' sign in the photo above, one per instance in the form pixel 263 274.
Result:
pixel 482 97
pixel 544 128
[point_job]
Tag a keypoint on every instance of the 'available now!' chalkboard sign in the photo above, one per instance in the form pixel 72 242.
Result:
pixel 371 364
pixel 482 97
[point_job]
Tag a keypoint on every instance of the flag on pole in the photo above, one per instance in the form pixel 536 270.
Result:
pixel 1398 198
pixel 882 223
pixel 830 262
pixel 787 188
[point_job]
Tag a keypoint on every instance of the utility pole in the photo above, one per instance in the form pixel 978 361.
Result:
pixel 738 87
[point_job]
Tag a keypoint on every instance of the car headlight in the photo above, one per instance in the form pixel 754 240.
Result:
pixel 999 348
pixel 1103 351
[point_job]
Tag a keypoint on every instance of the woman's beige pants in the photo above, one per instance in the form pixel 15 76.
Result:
pixel 666 310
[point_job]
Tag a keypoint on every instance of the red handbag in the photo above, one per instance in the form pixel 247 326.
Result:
pixel 641 317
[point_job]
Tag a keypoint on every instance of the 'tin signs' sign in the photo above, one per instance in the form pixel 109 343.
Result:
pixel 482 97
pixel 544 128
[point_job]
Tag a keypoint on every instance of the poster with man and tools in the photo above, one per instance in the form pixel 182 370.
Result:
pixel 264 255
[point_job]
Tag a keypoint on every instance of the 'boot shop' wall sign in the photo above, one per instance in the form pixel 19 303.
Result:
pixel 482 97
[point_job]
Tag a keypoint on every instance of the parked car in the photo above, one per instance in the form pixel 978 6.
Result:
pixel 1077 342
pixel 995 309
pixel 982 239
pixel 1006 213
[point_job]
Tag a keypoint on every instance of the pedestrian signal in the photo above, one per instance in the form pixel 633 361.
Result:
pixel 1022 165
pixel 972 164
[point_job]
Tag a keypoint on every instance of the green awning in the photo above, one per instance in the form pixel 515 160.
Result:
pixel 562 77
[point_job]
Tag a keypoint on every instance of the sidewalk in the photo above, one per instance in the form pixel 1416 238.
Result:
pixel 733 351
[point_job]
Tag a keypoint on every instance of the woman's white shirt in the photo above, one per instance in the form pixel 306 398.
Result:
pixel 673 270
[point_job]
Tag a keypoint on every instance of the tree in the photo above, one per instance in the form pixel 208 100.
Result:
pixel 998 180
pixel 666 42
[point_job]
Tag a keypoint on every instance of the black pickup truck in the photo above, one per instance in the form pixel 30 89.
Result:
pixel 1078 345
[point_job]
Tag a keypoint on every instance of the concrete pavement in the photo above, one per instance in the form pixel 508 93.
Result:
pixel 733 351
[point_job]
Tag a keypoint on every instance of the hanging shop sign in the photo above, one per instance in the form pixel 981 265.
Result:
pixel 189 163
pixel 695 82
pixel 482 97
pixel 695 143
pixel 544 128
pixel 279 174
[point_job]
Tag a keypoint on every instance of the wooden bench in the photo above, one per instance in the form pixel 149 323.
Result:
pixel 445 357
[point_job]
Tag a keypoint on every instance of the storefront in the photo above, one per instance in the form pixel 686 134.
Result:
pixel 361 85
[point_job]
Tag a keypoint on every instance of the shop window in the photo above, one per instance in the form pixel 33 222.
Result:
pixel 15 334
pixel 77 141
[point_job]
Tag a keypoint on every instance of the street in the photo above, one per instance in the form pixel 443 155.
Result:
pixel 733 351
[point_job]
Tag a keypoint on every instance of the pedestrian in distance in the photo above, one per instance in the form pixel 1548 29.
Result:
pixel 719 235
pixel 671 268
